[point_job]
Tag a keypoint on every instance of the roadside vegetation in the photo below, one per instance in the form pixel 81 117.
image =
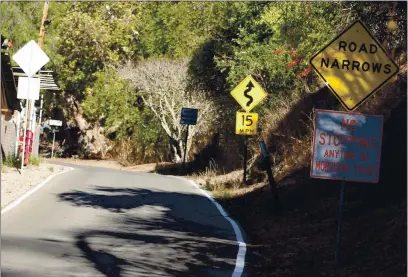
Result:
pixel 127 68
pixel 9 161
pixel 194 54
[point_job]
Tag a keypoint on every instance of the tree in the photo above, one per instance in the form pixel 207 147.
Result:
pixel 20 22
pixel 165 89
pixel 114 102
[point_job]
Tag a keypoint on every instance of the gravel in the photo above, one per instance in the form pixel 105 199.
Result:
pixel 14 184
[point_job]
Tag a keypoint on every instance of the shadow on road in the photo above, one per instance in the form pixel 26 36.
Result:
pixel 155 233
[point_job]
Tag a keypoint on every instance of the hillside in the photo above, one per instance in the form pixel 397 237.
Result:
pixel 297 237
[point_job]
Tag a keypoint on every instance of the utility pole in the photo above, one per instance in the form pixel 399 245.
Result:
pixel 30 121
pixel 40 43
pixel 42 30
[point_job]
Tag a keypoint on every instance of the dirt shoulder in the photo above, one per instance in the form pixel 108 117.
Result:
pixel 112 164
pixel 14 184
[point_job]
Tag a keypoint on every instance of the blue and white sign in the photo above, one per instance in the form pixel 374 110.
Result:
pixel 189 116
pixel 347 146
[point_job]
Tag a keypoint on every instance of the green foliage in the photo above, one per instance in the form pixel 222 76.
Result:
pixel 35 161
pixel 20 22
pixel 176 29
pixel 114 102
pixel 90 36
pixel 225 41
pixel 9 161
pixel 275 46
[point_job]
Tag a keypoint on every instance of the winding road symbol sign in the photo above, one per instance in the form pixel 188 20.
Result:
pixel 248 93
pixel 354 65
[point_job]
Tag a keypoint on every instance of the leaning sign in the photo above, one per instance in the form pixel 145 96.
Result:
pixel 347 146
pixel 354 65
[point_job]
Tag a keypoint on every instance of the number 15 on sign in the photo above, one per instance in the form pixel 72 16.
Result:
pixel 246 123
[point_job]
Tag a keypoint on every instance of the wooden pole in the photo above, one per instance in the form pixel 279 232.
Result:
pixel 40 43
pixel 42 29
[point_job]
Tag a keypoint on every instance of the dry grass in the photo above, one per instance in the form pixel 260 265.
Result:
pixel 281 107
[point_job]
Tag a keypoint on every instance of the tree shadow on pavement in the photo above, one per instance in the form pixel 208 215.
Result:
pixel 155 233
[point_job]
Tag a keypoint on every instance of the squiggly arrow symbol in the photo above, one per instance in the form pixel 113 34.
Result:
pixel 248 89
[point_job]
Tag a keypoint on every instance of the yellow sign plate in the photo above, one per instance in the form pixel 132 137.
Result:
pixel 248 93
pixel 246 123
pixel 354 65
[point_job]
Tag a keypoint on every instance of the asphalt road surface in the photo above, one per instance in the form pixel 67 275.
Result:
pixel 101 222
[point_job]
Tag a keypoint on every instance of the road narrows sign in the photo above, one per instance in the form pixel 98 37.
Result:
pixel 354 65
pixel 248 93
pixel 246 123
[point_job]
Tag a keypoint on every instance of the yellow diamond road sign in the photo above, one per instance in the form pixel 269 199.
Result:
pixel 248 93
pixel 246 123
pixel 354 65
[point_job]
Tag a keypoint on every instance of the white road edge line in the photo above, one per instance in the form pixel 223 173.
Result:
pixel 240 261
pixel 18 201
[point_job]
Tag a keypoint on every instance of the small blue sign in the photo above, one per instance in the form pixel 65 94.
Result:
pixel 189 116
pixel 347 146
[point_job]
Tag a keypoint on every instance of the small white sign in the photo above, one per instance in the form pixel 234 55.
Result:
pixel 31 58
pixel 28 88
pixel 54 122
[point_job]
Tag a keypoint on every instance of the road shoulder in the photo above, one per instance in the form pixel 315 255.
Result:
pixel 15 185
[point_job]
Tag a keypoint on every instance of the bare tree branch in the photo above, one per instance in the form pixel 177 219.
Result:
pixel 164 86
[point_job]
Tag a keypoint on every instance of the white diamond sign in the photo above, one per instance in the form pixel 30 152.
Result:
pixel 31 58
pixel 28 88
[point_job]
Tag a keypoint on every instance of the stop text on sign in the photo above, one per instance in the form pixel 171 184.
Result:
pixel 346 146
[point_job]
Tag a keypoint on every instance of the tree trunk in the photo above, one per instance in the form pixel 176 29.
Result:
pixel 177 149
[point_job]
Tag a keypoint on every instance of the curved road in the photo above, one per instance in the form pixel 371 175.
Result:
pixel 101 222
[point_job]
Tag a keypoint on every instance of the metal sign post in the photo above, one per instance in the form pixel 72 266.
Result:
pixel 18 119
pixel 24 134
pixel 30 58
pixel 188 117
pixel 185 147
pixel 41 109
pixel 246 124
pixel 346 147
pixel 248 94
pixel 56 123
pixel 244 181
pixel 338 237
pixel 53 140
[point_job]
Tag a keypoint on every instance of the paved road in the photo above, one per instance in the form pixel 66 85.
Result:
pixel 102 222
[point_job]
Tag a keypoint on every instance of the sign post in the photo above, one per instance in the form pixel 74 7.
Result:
pixel 346 147
pixel 28 88
pixel 339 223
pixel 53 141
pixel 248 94
pixel 56 123
pixel 188 117
pixel 30 58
